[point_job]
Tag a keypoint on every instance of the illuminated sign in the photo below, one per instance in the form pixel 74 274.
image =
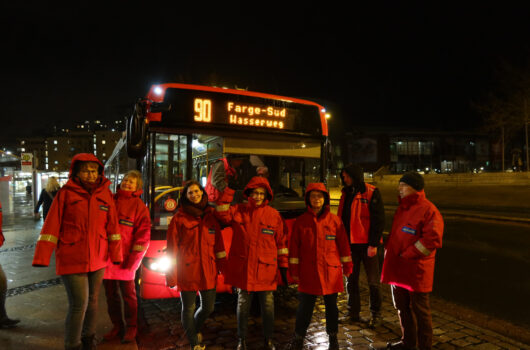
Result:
pixel 223 109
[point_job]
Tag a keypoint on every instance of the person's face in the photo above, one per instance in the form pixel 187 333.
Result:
pixel 129 183
pixel 258 195
pixel 347 179
pixel 405 190
pixel 88 172
pixel 316 200
pixel 194 194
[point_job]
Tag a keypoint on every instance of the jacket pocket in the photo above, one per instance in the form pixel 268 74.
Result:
pixel 71 233
pixel 103 246
pixel 267 266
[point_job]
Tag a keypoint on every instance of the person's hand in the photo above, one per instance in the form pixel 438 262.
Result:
pixel 347 268
pixel 372 251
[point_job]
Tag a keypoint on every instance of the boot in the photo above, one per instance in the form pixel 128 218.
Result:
pixel 333 342
pixel 241 344
pixel 297 343
pixel 89 342
pixel 269 344
pixel 130 335
pixel 375 321
pixel 113 333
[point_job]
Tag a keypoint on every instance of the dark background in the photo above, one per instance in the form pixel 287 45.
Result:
pixel 395 64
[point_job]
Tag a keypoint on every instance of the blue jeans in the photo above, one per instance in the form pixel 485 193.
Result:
pixel 266 301
pixel 305 312
pixel 192 320
pixel 82 290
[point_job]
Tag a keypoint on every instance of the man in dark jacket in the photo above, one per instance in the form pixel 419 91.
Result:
pixel 363 214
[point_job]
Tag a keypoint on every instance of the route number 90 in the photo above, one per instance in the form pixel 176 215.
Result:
pixel 203 110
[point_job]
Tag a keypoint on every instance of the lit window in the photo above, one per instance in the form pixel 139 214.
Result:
pixel 54 142
pixel 22 142
pixel 102 142
pixel 23 149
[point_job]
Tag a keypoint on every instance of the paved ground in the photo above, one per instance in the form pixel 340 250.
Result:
pixel 37 297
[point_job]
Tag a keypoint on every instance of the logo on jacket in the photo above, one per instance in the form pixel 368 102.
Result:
pixel 408 230
pixel 104 207
pixel 211 231
pixel 364 200
pixel 267 231
pixel 126 222
pixel 330 237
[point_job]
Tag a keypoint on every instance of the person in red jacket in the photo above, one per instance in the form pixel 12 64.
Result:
pixel 135 230
pixel 82 228
pixel 196 246
pixel 408 266
pixel 363 214
pixel 223 175
pixel 258 249
pixel 319 254
pixel 5 322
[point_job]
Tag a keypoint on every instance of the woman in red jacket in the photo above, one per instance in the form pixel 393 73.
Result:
pixel 317 249
pixel 258 249
pixel 195 244
pixel 82 228
pixel 135 230
pixel 5 322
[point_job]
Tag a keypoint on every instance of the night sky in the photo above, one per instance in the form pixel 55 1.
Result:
pixel 396 64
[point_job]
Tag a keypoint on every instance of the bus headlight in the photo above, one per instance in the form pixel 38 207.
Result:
pixel 162 264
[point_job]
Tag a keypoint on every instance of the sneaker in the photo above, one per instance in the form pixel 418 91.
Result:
pixel 130 335
pixel 113 333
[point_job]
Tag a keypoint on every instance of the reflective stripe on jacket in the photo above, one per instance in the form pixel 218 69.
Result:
pixel 194 244
pixel 135 230
pixel 410 250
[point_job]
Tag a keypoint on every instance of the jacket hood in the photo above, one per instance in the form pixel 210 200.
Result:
pixel 85 157
pixel 255 182
pixel 124 194
pixel 357 175
pixel 317 186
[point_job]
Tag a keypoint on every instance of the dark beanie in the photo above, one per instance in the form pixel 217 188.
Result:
pixel 414 180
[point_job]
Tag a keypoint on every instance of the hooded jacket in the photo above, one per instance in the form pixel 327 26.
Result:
pixel 197 248
pixel 410 250
pixel 81 226
pixel 259 246
pixel 135 230
pixel 361 209
pixel 319 249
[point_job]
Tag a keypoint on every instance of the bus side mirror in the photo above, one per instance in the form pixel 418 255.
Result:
pixel 137 132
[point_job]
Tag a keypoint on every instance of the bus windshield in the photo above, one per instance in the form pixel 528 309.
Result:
pixel 288 165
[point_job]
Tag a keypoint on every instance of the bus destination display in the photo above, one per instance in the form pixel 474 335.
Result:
pixel 240 110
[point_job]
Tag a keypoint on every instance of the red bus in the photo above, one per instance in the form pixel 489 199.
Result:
pixel 178 131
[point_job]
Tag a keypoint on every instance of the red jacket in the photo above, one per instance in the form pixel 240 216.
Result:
pixel 194 244
pixel 135 230
pixel 217 180
pixel 410 250
pixel 317 250
pixel 258 242
pixel 82 227
pixel 360 214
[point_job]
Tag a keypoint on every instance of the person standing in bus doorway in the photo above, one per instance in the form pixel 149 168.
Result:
pixel 82 228
pixel 223 175
pixel 193 238
pixel 317 248
pixel 118 280
pixel 258 248
pixel 5 321
pixel 408 267
pixel 363 215
pixel 46 197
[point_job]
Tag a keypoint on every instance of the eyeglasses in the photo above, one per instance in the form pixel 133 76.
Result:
pixel 257 194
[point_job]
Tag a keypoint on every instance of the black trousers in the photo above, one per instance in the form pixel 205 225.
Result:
pixel 305 312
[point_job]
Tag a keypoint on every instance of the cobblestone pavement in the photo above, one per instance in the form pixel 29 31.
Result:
pixel 162 328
